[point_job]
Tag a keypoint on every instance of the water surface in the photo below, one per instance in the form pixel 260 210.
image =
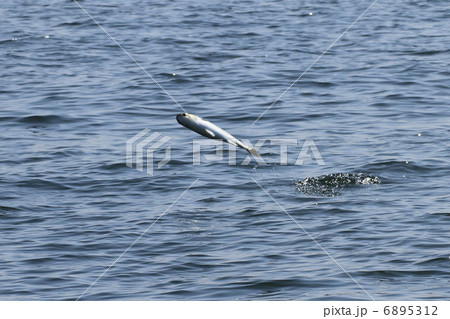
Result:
pixel 375 105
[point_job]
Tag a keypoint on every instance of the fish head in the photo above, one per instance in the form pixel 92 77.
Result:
pixel 196 124
pixel 187 119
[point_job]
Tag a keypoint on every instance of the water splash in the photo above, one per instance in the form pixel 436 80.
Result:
pixel 332 184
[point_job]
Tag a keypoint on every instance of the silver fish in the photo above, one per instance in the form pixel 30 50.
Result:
pixel 210 130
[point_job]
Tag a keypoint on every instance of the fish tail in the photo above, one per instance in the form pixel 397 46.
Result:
pixel 253 151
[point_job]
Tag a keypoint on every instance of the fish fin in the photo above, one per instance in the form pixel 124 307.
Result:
pixel 212 135
pixel 253 151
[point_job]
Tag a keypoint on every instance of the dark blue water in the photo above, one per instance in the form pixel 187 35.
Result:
pixel 376 106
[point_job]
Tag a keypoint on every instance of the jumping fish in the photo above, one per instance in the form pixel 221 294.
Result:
pixel 210 130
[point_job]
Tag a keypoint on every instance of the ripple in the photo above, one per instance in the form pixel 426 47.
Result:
pixel 41 184
pixel 46 119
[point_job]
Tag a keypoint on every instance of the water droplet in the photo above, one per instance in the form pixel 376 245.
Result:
pixel 310 13
pixel 47 36
pixel 419 134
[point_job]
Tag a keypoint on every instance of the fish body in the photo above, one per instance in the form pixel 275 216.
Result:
pixel 210 130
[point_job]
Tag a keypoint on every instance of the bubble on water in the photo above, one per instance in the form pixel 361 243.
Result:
pixel 310 13
pixel 419 134
pixel 332 184
pixel 14 39
pixel 47 37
